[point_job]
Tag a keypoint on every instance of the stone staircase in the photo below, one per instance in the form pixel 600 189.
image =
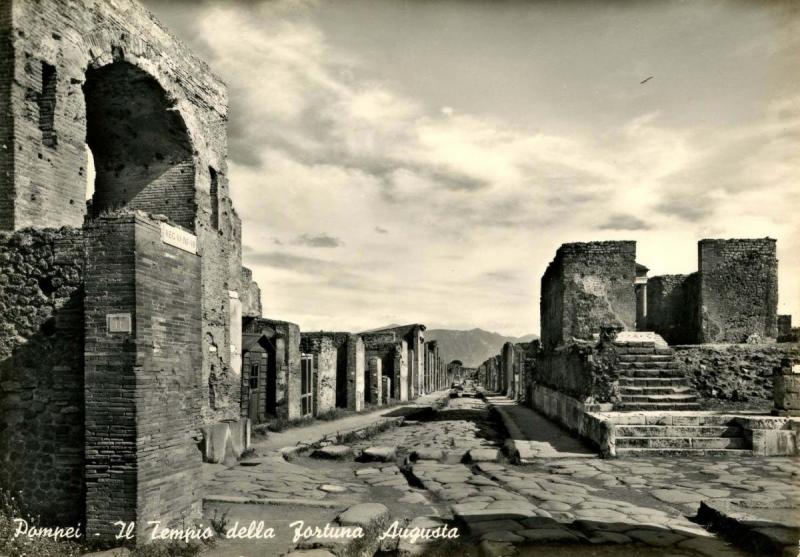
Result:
pixel 649 378
pixel 683 434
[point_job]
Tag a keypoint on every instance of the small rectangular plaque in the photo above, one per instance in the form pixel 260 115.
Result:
pixel 179 238
pixel 118 322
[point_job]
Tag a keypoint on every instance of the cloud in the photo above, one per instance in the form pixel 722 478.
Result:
pixel 480 175
pixel 622 221
pixel 318 241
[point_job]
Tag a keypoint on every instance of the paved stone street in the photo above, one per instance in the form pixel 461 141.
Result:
pixel 448 465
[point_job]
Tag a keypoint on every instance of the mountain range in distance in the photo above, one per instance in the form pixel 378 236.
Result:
pixel 472 347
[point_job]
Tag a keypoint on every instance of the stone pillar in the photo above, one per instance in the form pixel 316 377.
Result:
pixel 412 374
pixel 386 389
pixel 355 373
pixel 401 371
pixel 375 381
pixel 786 386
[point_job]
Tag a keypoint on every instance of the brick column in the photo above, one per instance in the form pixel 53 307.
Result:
pixel 143 375
pixel 355 373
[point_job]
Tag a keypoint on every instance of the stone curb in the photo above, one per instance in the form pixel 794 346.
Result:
pixel 270 501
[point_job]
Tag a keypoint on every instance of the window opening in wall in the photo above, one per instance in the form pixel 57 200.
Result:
pixel 47 105
pixel 253 376
pixel 89 173
pixel 214 198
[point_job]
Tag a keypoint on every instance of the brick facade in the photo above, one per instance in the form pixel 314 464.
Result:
pixel 143 385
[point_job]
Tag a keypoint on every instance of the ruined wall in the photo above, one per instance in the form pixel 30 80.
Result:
pixel 41 370
pixel 154 118
pixel 143 389
pixel 285 338
pixel 586 286
pixel 356 371
pixel 582 370
pixel 734 372
pixel 672 307
pixel 325 362
pixel 250 295
pixel 381 345
pixel 738 289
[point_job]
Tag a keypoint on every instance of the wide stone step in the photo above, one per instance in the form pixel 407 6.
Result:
pixel 650 372
pixel 681 443
pixel 647 365
pixel 634 357
pixel 635 452
pixel 653 382
pixel 675 419
pixel 627 406
pixel 659 398
pixel 693 431
pixel 627 390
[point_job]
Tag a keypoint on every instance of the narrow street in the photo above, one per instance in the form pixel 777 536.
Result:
pixel 447 466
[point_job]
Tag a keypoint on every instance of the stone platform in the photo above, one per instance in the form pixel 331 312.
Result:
pixel 698 433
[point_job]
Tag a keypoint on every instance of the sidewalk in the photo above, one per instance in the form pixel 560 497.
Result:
pixel 318 430
pixel 533 436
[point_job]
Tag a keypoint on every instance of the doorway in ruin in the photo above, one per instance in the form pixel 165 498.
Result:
pixel 139 146
pixel 259 377
pixel 306 385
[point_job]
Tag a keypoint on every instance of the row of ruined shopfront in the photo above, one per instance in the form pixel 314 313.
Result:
pixel 288 374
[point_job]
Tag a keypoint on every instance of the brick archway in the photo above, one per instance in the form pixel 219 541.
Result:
pixel 143 155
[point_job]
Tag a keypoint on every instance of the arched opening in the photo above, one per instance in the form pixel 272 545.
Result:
pixel 139 144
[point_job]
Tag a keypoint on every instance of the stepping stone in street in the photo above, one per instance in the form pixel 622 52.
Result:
pixel 333 452
pixel 379 454
pixel 413 498
pixel 330 488
pixel 484 455
pixel 427 453
pixel 367 472
pixel 363 514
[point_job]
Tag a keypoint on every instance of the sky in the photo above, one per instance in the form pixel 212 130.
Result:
pixel 410 161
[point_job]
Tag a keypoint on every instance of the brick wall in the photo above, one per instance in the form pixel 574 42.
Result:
pixel 586 286
pixel 41 370
pixel 738 289
pixel 143 388
pixel 169 165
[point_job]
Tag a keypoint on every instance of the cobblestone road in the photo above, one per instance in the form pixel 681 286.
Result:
pixel 447 465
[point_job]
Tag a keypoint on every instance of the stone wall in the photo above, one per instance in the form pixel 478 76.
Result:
pixel 672 307
pixel 738 289
pixel 143 383
pixel 250 295
pixel 382 345
pixel 41 370
pixel 734 372
pixel 586 286
pixel 330 368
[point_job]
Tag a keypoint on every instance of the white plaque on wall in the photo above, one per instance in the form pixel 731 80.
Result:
pixel 118 322
pixel 178 237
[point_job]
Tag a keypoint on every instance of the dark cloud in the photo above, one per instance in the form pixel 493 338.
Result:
pixel 621 221
pixel 686 206
pixel 380 230
pixel 318 241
